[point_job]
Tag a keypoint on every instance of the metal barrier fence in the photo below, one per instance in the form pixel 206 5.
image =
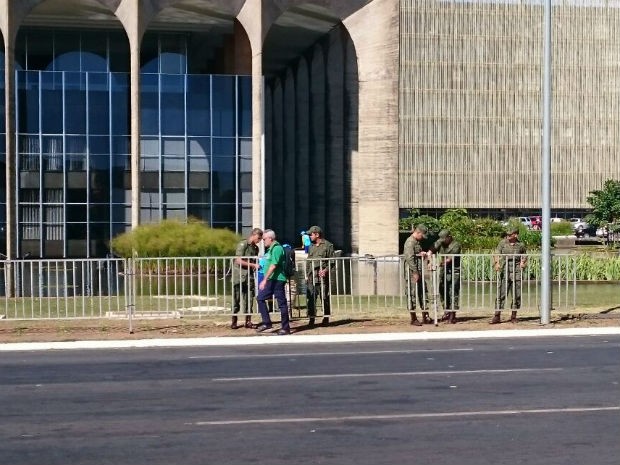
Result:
pixel 200 287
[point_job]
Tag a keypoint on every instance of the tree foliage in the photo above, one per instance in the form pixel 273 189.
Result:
pixel 605 204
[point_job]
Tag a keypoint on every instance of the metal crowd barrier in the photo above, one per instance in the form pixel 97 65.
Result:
pixel 201 287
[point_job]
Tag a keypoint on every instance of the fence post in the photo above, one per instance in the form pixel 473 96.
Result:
pixel 130 285
pixel 435 285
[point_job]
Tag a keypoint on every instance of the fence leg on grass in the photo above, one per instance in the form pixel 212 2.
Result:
pixel 130 291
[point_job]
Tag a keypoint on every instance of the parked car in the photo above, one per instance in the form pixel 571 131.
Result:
pixel 602 232
pixel 526 221
pixel 582 228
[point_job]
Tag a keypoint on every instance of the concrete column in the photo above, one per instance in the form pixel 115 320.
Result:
pixel 277 155
pixel 335 172
pixel 317 137
pixel 302 148
pixel 10 149
pixel 289 171
pixel 351 119
pixel 375 33
pixel 268 159
pixel 249 18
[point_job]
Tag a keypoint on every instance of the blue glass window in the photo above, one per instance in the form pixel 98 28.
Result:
pixel 51 103
pixel 224 103
pixel 75 103
pixel 199 105
pixel 98 103
pixel 172 104
pixel 149 104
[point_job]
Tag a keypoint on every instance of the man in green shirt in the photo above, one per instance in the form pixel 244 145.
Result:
pixel 317 278
pixel 243 270
pixel 273 285
pixel 509 260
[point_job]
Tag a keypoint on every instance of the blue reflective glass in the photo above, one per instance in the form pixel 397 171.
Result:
pixel 28 102
pixel 120 103
pixel 224 146
pixel 172 104
pixel 198 105
pixel 75 103
pixel 51 103
pixel 223 179
pixel 223 117
pixel 245 106
pixel 149 104
pixel 98 103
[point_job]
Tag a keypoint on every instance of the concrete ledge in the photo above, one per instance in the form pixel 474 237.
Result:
pixel 307 339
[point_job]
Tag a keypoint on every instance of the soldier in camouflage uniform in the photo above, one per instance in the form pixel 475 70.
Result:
pixel 510 260
pixel 317 278
pixel 243 277
pixel 450 274
pixel 414 275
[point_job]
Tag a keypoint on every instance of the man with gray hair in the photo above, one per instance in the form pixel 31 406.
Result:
pixel 273 285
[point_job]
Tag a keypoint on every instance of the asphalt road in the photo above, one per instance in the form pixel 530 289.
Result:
pixel 522 401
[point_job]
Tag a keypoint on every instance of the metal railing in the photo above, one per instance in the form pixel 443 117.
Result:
pixel 201 287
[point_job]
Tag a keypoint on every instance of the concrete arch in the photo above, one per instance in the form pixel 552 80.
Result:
pixel 311 52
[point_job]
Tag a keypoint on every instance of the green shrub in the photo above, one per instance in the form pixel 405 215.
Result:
pixel 563 228
pixel 173 238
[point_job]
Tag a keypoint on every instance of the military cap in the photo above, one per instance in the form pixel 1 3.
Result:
pixel 315 229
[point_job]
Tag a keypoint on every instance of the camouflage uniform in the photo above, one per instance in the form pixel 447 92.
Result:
pixel 414 265
pixel 510 273
pixel 243 279
pixel 315 285
pixel 450 275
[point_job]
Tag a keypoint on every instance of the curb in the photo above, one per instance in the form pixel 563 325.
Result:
pixel 228 341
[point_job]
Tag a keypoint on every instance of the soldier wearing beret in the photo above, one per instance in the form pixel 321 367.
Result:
pixel 509 261
pixel 317 278
pixel 414 275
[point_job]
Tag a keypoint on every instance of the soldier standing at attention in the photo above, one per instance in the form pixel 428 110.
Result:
pixel 243 277
pixel 510 260
pixel 414 276
pixel 317 279
pixel 450 276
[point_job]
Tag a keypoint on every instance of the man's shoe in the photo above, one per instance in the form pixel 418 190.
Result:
pixel 426 318
pixel 262 327
pixel 311 323
pixel 496 319
pixel 325 322
pixel 416 322
pixel 284 332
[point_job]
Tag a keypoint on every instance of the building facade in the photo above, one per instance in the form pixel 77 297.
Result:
pixel 288 113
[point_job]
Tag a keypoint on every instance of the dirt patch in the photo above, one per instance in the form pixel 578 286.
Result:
pixel 103 329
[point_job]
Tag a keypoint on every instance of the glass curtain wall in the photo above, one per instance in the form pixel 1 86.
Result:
pixel 195 139
pixel 73 143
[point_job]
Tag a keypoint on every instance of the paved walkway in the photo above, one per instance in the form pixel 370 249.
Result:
pixel 308 339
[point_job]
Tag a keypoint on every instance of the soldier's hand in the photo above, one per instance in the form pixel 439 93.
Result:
pixel 416 277
pixel 497 267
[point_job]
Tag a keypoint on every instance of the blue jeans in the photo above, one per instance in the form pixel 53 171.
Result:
pixel 273 289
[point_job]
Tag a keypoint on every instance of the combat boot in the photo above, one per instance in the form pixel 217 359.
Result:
pixel 414 320
pixel 233 324
pixel 248 322
pixel 426 318
pixel 513 317
pixel 496 318
pixel 452 318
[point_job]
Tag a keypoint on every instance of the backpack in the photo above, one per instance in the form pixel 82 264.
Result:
pixel 289 261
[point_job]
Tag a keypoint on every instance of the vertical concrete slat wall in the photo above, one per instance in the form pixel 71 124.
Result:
pixel 318 136
pixel 302 148
pixel 289 155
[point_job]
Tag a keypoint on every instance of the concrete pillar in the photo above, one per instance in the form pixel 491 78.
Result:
pixel 352 168
pixel 249 19
pixel 289 171
pixel 302 147
pixel 335 172
pixel 374 30
pixel 277 156
pixel 317 137
pixel 268 159
pixel 10 149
